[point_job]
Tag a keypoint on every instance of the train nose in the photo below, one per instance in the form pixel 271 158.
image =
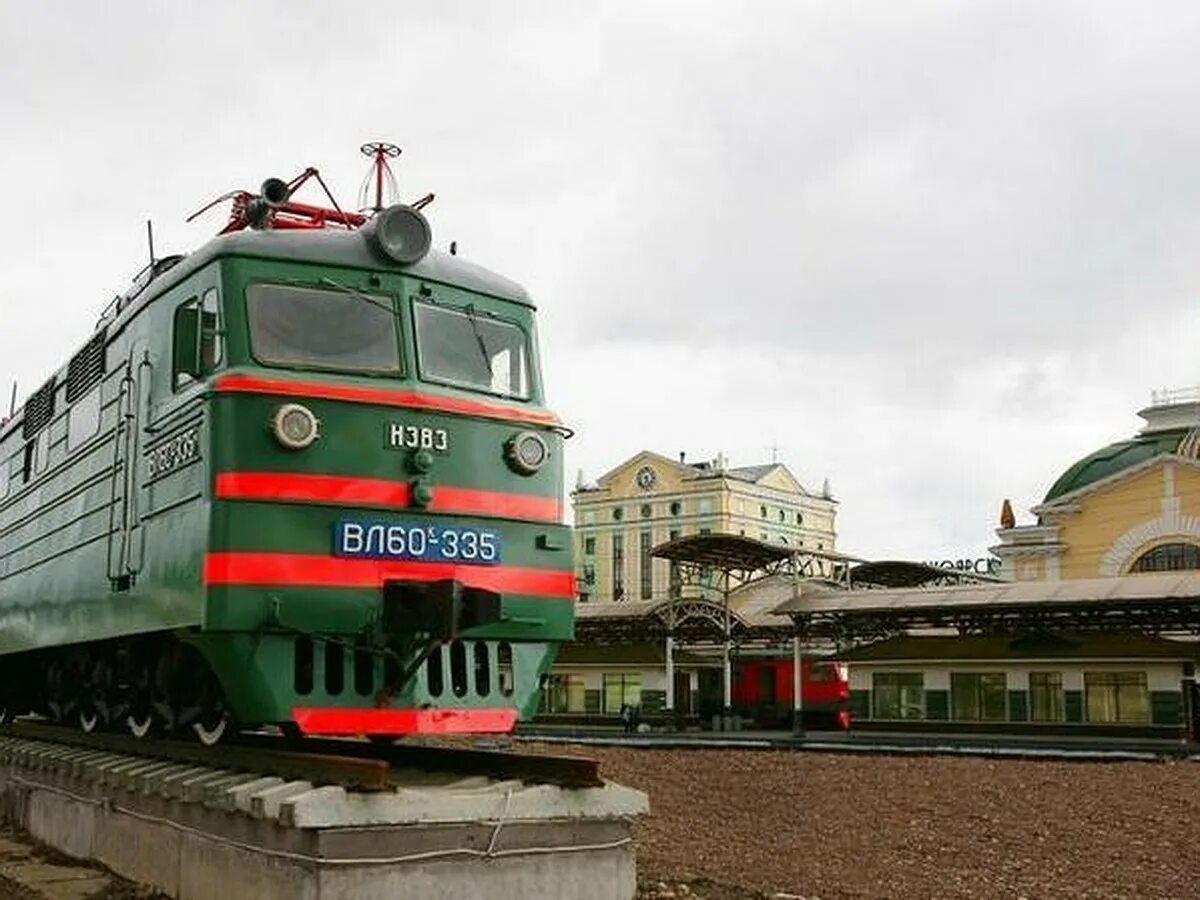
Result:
pixel 440 609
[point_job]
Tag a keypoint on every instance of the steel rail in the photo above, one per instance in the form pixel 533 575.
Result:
pixel 348 762
pixel 562 771
pixel 345 770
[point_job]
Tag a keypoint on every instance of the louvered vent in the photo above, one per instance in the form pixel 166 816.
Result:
pixel 39 409
pixel 87 366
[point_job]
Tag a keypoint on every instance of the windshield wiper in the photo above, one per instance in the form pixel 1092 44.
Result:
pixel 469 309
pixel 353 292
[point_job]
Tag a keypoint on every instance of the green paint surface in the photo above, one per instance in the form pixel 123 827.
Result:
pixel 1166 707
pixel 108 538
pixel 1018 706
pixel 860 704
pixel 937 704
pixel 1073 706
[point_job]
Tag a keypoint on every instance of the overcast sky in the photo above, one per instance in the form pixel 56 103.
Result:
pixel 932 251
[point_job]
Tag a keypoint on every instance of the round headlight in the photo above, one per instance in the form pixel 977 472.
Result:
pixel 526 452
pixel 295 426
pixel 400 233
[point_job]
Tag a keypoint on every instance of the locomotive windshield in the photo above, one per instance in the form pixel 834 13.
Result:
pixel 466 348
pixel 340 330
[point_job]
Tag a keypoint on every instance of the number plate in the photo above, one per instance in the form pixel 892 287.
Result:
pixel 405 540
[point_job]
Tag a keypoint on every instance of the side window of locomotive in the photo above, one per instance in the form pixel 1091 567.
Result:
pixel 85 373
pixel 198 345
pixel 467 348
pixel 83 421
pixel 41 456
pixel 342 331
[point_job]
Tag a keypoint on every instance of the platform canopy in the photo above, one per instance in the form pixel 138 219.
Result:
pixel 738 560
pixel 1166 602
pixel 890 573
pixel 726 552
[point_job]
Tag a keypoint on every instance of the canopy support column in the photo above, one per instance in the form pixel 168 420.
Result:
pixel 670 671
pixel 797 686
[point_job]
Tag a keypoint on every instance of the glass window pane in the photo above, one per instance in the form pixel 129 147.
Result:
pixel 633 689
pixel 994 693
pixel 469 349
pixel 1045 697
pixel 898 695
pixel 292 326
pixel 83 421
pixel 964 696
pixel 1101 696
pixel 1168 558
pixel 912 696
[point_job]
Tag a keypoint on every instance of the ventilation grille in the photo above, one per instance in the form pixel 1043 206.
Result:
pixel 87 366
pixel 39 409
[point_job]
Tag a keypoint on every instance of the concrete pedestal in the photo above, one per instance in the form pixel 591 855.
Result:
pixel 205 834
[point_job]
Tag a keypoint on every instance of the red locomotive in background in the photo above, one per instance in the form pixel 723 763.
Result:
pixel 762 691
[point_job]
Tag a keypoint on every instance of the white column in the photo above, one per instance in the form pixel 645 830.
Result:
pixel 797 684
pixel 670 674
pixel 728 667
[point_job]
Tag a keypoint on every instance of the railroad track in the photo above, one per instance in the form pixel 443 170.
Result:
pixel 347 763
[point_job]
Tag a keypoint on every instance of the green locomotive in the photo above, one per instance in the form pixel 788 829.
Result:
pixel 303 476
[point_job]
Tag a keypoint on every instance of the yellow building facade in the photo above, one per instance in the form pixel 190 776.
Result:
pixel 1133 506
pixel 650 499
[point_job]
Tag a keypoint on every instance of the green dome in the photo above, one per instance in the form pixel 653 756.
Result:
pixel 1113 459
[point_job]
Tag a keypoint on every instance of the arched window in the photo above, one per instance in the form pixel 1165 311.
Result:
pixel 1168 558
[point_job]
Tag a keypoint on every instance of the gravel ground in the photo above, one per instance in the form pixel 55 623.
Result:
pixel 741 824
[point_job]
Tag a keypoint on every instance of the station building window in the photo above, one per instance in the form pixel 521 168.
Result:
pixel 676 507
pixel 564 694
pixel 898 695
pixel 618 566
pixel 1116 696
pixel 647 573
pixel 1168 558
pixel 978 696
pixel 621 689
pixel 676 574
pixel 1045 697
pixel 589 546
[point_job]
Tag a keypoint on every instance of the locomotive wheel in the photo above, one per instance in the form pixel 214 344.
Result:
pixel 140 722
pixel 211 727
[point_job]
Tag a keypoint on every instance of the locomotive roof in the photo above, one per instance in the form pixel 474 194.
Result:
pixel 336 247
pixel 333 247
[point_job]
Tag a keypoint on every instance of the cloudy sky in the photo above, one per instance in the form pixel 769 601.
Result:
pixel 931 251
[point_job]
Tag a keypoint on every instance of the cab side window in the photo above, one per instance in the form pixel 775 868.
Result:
pixel 198 338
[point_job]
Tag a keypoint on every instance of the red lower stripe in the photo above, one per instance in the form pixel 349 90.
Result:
pixel 256 384
pixel 334 720
pixel 354 491
pixel 301 569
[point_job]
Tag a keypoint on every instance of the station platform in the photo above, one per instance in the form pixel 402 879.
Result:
pixel 203 833
pixel 1081 747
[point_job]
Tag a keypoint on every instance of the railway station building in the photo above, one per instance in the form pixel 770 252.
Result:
pixel 1094 631
pixel 650 499
pixel 1090 629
